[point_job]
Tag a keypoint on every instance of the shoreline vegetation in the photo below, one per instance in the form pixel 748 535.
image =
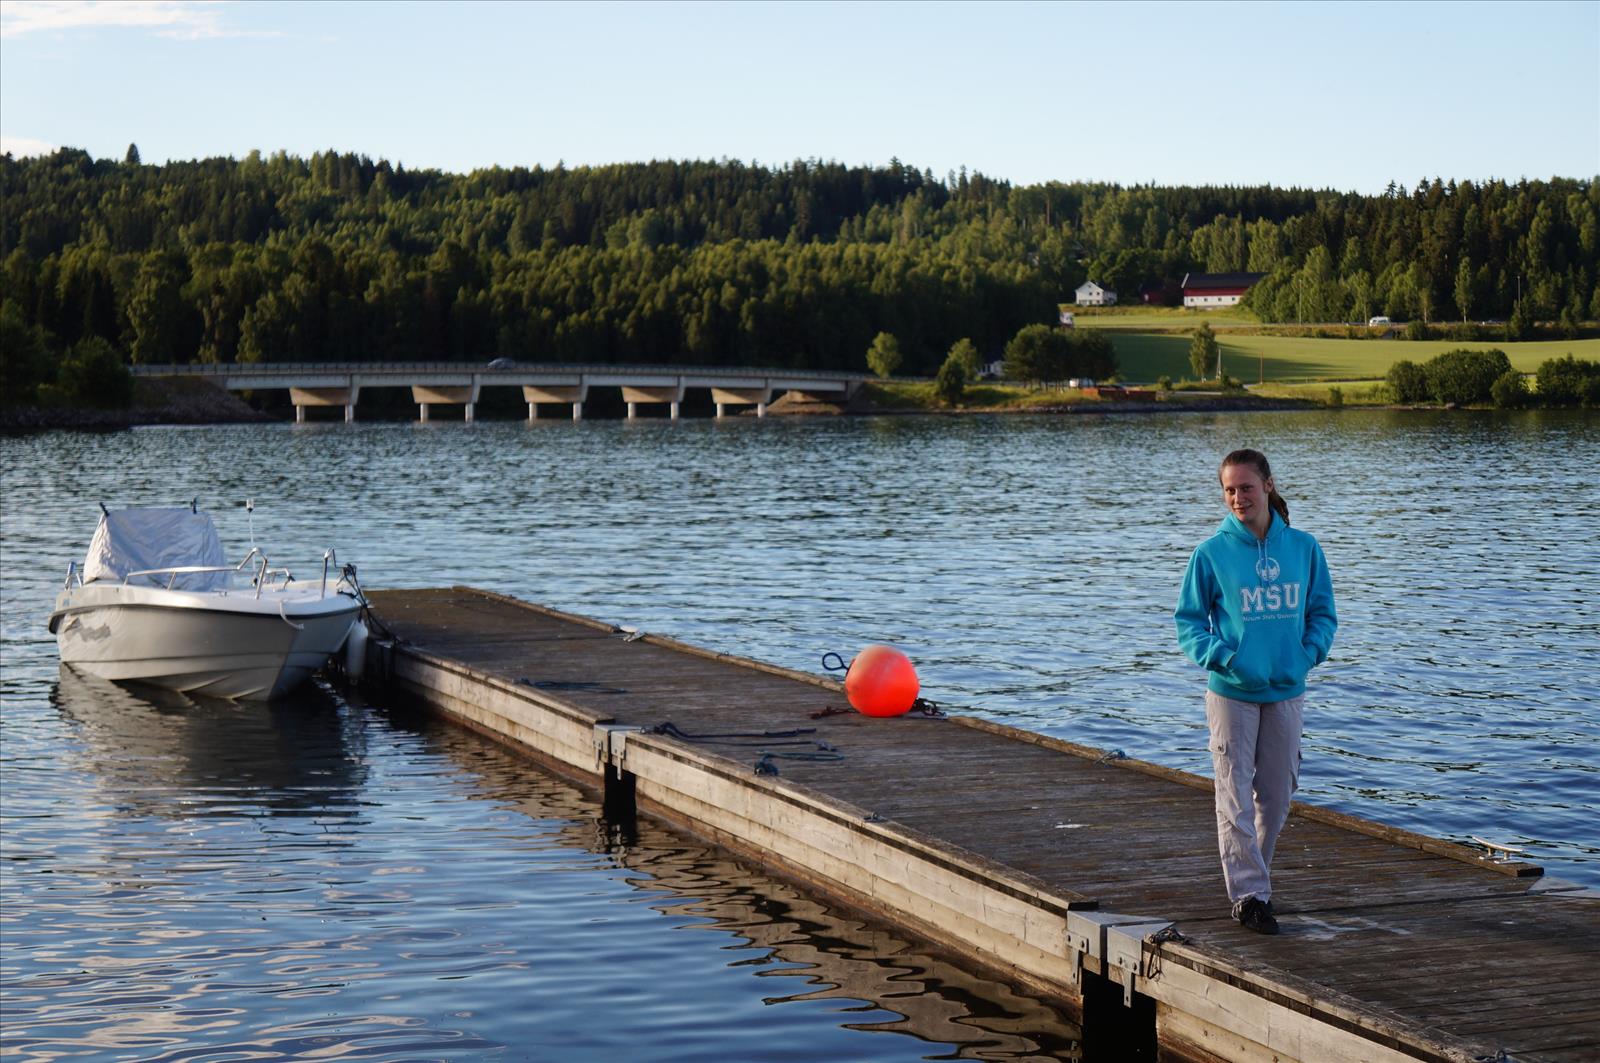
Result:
pixel 807 265
pixel 195 401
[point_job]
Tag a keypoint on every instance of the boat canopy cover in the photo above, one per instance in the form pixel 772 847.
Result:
pixel 135 540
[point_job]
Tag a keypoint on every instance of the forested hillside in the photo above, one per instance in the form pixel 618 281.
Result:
pixel 338 257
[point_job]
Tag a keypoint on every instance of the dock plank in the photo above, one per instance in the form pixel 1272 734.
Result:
pixel 1412 946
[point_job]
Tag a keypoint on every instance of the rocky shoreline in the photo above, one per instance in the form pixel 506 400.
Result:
pixel 165 400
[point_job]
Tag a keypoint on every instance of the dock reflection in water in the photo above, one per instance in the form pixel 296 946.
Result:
pixel 323 877
pixel 896 985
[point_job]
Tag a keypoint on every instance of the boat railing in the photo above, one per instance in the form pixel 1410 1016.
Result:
pixel 173 572
pixel 270 574
pixel 73 573
pixel 262 578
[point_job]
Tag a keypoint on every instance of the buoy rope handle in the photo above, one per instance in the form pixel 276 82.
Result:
pixel 842 666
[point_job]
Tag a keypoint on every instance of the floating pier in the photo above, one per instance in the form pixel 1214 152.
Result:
pixel 1074 871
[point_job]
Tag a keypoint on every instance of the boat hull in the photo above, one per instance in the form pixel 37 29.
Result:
pixel 241 648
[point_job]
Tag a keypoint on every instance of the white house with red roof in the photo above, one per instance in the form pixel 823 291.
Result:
pixel 1217 289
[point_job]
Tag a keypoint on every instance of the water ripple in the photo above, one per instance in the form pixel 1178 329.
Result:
pixel 184 880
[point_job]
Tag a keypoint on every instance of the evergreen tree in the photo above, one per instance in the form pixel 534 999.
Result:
pixel 25 361
pixel 1204 352
pixel 1463 292
pixel 951 382
pixel 158 314
pixel 339 256
pixel 93 373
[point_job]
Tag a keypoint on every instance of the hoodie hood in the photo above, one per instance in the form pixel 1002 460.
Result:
pixel 1232 525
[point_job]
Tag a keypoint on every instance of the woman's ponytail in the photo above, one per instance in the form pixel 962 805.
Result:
pixel 1276 501
pixel 1258 461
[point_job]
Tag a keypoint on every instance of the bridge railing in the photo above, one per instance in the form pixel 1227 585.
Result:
pixel 267 369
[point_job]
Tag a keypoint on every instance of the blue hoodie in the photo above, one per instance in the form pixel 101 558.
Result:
pixel 1258 614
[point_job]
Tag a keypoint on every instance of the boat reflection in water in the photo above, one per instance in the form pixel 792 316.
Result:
pixel 153 751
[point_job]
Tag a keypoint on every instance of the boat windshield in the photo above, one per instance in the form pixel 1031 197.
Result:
pixel 144 546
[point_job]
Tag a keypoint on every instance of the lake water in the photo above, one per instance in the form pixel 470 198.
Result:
pixel 329 877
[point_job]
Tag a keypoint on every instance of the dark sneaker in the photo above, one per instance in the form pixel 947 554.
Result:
pixel 1257 915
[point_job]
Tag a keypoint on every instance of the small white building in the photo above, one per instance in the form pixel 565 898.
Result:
pixel 1092 294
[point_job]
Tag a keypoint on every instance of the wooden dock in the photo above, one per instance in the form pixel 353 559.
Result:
pixel 1091 877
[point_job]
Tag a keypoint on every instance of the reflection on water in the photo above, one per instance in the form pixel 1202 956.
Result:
pixel 320 877
pixel 159 752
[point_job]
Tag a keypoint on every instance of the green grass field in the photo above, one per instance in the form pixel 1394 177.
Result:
pixel 1157 317
pixel 908 395
pixel 1144 358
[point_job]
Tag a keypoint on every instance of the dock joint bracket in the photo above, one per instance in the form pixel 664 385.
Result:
pixel 611 745
pixel 1117 941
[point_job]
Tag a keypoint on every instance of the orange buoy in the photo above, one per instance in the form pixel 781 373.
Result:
pixel 881 682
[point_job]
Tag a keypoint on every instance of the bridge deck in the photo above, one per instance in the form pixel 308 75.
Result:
pixel 1394 946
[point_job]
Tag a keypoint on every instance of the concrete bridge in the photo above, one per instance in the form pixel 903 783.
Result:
pixel 458 384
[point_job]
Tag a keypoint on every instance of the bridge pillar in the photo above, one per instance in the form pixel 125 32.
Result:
pixel 533 394
pixel 675 410
pixel 303 397
pixel 633 396
pixel 725 397
pixel 425 395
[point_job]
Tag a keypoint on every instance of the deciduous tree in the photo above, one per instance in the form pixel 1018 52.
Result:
pixel 884 356
pixel 965 352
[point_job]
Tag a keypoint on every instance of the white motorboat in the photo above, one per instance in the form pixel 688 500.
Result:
pixel 156 602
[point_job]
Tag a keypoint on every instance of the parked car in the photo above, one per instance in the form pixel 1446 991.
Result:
pixel 1379 320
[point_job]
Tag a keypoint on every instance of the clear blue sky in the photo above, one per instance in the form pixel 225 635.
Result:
pixel 1337 95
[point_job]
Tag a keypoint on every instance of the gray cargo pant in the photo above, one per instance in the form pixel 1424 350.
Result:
pixel 1255 754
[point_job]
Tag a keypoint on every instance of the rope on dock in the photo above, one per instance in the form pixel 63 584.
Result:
pixel 831 710
pixel 1161 937
pixel 826 752
pixel 921 709
pixel 671 730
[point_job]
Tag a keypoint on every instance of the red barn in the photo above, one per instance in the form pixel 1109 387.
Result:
pixel 1217 289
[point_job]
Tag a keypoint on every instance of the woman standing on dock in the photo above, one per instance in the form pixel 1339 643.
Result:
pixel 1256 611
